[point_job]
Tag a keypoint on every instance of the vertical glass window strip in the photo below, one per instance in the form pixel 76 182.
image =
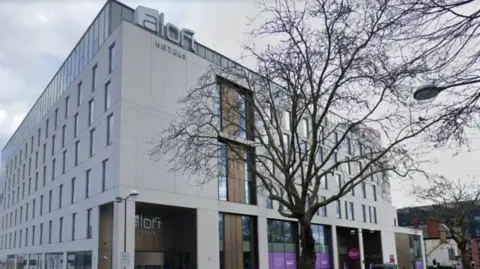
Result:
pixel 222 172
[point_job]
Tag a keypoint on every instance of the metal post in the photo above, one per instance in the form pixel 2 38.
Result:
pixel 125 227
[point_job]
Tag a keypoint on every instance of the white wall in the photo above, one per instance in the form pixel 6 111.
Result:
pixel 434 249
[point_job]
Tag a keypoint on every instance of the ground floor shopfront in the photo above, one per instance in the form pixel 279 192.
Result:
pixel 166 237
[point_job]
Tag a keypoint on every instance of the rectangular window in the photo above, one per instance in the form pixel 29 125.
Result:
pixel 90 111
pixel 55 119
pixel 352 211
pixel 50 201
pixel 320 155
pixel 339 209
pixel 222 172
pixel 364 213
pixel 50 231
pixel 53 169
pixel 44 175
pixel 39 136
pixel 72 192
pixel 33 208
pixel 112 60
pixel 286 120
pixel 88 183
pixel 374 191
pixel 74 216
pixel 347 214
pixel 36 181
pixel 323 210
pixel 108 97
pixel 36 160
pixel 46 128
pixel 370 214
pixel 33 235
pixel 64 161
pixel 41 233
pixel 67 106
pixel 92 142
pixel 41 205
pixel 94 77
pixel 286 142
pixel 349 146
pixel 44 152
pixel 53 145
pixel 89 223
pixel 77 152
pixel 110 137
pixel 31 144
pixel 23 187
pixel 60 230
pixel 64 130
pixel 105 174
pixel 75 126
pixel 339 181
pixel 374 214
pixel 364 190
pixel 79 93
pixel 60 196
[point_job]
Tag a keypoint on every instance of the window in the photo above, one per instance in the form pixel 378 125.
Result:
pixel 67 106
pixel 53 169
pixel 286 142
pixel 79 93
pixel 33 208
pixel 90 111
pixel 74 216
pixel 352 211
pixel 53 145
pixel 31 144
pixel 364 213
pixel 320 155
pixel 374 191
pixel 44 152
pixel 23 187
pixel 33 235
pixel 105 174
pixel 41 233
pixel 50 201
pixel 60 196
pixel 92 142
pixel 94 77
pixel 36 160
pixel 323 210
pixel 374 214
pixel 370 214
pixel 305 127
pixel 72 194
pixel 44 175
pixel 89 223
pixel 349 146
pixel 347 214
pixel 286 120
pixel 222 172
pixel 46 129
pixel 50 231
pixel 364 190
pixel 108 97
pixel 339 181
pixel 41 205
pixel 60 230
pixel 110 129
pixel 112 60
pixel 64 130
pixel 75 126
pixel 64 161
pixel 77 149
pixel 349 166
pixel 55 119
pixel 21 214
pixel 39 136
pixel 339 209
pixel 88 183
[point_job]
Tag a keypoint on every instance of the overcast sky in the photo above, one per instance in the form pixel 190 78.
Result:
pixel 37 35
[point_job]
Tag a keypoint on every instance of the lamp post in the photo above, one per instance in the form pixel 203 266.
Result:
pixel 133 194
pixel 430 91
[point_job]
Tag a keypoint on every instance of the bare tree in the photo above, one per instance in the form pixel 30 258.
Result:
pixel 325 102
pixel 452 205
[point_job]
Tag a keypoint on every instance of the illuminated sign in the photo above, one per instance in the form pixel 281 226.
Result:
pixel 154 21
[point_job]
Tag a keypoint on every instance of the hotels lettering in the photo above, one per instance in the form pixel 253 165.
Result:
pixel 152 20
pixel 172 50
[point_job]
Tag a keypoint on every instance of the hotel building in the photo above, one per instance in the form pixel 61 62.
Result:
pixel 84 143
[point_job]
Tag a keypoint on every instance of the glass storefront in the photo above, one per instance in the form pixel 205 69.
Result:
pixel 22 261
pixel 54 260
pixel 282 244
pixel 322 236
pixel 35 261
pixel 79 260
pixel 416 251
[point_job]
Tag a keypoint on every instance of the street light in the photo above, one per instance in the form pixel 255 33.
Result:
pixel 133 194
pixel 427 91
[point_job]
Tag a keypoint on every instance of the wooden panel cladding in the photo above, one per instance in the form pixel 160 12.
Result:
pixel 236 106
pixel 236 174
pixel 105 242
pixel 236 246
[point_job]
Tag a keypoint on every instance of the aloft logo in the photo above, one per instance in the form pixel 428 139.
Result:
pixel 147 223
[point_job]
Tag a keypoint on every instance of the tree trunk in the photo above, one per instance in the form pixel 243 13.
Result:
pixel 464 255
pixel 307 244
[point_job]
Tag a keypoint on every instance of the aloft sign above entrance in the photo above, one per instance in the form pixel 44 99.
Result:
pixel 154 21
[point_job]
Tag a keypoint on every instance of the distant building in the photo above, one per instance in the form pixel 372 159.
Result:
pixel 438 242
